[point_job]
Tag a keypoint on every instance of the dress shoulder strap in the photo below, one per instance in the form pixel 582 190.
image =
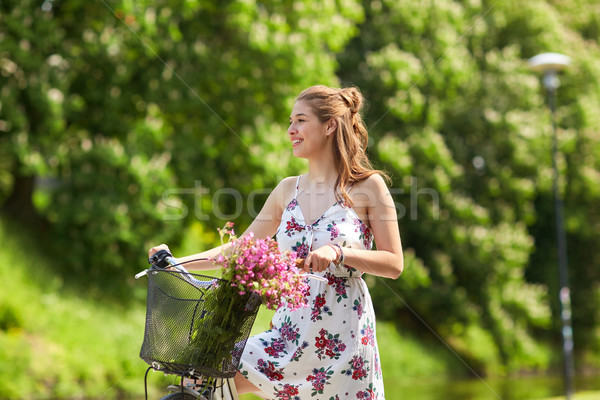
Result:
pixel 297 186
pixel 342 202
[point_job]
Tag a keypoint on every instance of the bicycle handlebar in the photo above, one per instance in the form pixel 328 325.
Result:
pixel 162 259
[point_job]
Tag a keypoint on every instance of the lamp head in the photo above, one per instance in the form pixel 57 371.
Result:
pixel 549 62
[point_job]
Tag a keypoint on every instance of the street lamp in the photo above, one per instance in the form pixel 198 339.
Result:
pixel 550 64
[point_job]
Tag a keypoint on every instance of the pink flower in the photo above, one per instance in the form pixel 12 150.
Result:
pixel 260 266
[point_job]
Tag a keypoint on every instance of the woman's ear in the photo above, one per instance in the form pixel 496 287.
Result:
pixel 331 126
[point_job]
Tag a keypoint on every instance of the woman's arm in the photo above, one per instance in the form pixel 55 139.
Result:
pixel 268 219
pixel 264 225
pixel 199 262
pixel 387 260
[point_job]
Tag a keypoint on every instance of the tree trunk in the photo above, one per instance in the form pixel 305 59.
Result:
pixel 19 204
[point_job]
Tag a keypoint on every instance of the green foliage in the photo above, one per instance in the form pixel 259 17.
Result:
pixel 133 110
pixel 115 190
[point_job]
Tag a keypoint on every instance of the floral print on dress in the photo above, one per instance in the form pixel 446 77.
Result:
pixel 367 394
pixel 327 351
pixel 289 330
pixel 301 248
pixel 368 334
pixel 292 204
pixel 351 271
pixel 365 233
pixel 319 379
pixel 288 392
pixel 358 307
pixel 358 369
pixel 293 226
pixel 340 284
pixel 328 345
pixel 333 230
pixel 299 351
pixel 269 368
pixel 274 348
pixel 319 307
pixel 377 365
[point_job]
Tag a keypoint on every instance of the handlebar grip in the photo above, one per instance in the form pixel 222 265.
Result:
pixel 160 259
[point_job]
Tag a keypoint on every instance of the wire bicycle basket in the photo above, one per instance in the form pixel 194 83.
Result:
pixel 195 324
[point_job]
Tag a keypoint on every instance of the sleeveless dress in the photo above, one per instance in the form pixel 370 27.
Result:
pixel 328 350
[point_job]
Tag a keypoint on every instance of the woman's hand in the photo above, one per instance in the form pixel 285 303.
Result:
pixel 155 249
pixel 320 259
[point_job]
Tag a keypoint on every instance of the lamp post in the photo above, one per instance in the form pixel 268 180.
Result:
pixel 550 64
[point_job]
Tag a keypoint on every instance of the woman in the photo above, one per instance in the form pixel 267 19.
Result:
pixel 330 216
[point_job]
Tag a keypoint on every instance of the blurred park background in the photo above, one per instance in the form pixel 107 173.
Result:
pixel 128 123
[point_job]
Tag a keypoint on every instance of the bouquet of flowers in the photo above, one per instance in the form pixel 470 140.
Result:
pixel 257 266
pixel 252 270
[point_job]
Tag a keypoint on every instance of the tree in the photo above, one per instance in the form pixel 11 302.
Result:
pixel 127 111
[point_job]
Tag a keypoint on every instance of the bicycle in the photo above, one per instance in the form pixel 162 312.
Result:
pixel 178 302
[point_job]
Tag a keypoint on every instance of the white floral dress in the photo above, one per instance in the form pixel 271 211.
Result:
pixel 327 351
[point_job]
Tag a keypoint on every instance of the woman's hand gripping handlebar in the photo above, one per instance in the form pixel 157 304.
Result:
pixel 163 260
pixel 300 265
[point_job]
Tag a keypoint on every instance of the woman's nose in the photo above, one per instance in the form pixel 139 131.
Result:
pixel 291 130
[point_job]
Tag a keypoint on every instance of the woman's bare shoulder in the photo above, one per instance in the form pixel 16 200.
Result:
pixel 372 185
pixel 375 181
pixel 288 181
pixel 285 190
pixel 287 184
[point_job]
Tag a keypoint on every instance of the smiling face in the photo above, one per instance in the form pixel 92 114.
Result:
pixel 310 137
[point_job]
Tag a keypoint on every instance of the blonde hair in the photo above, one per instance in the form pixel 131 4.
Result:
pixel 351 137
